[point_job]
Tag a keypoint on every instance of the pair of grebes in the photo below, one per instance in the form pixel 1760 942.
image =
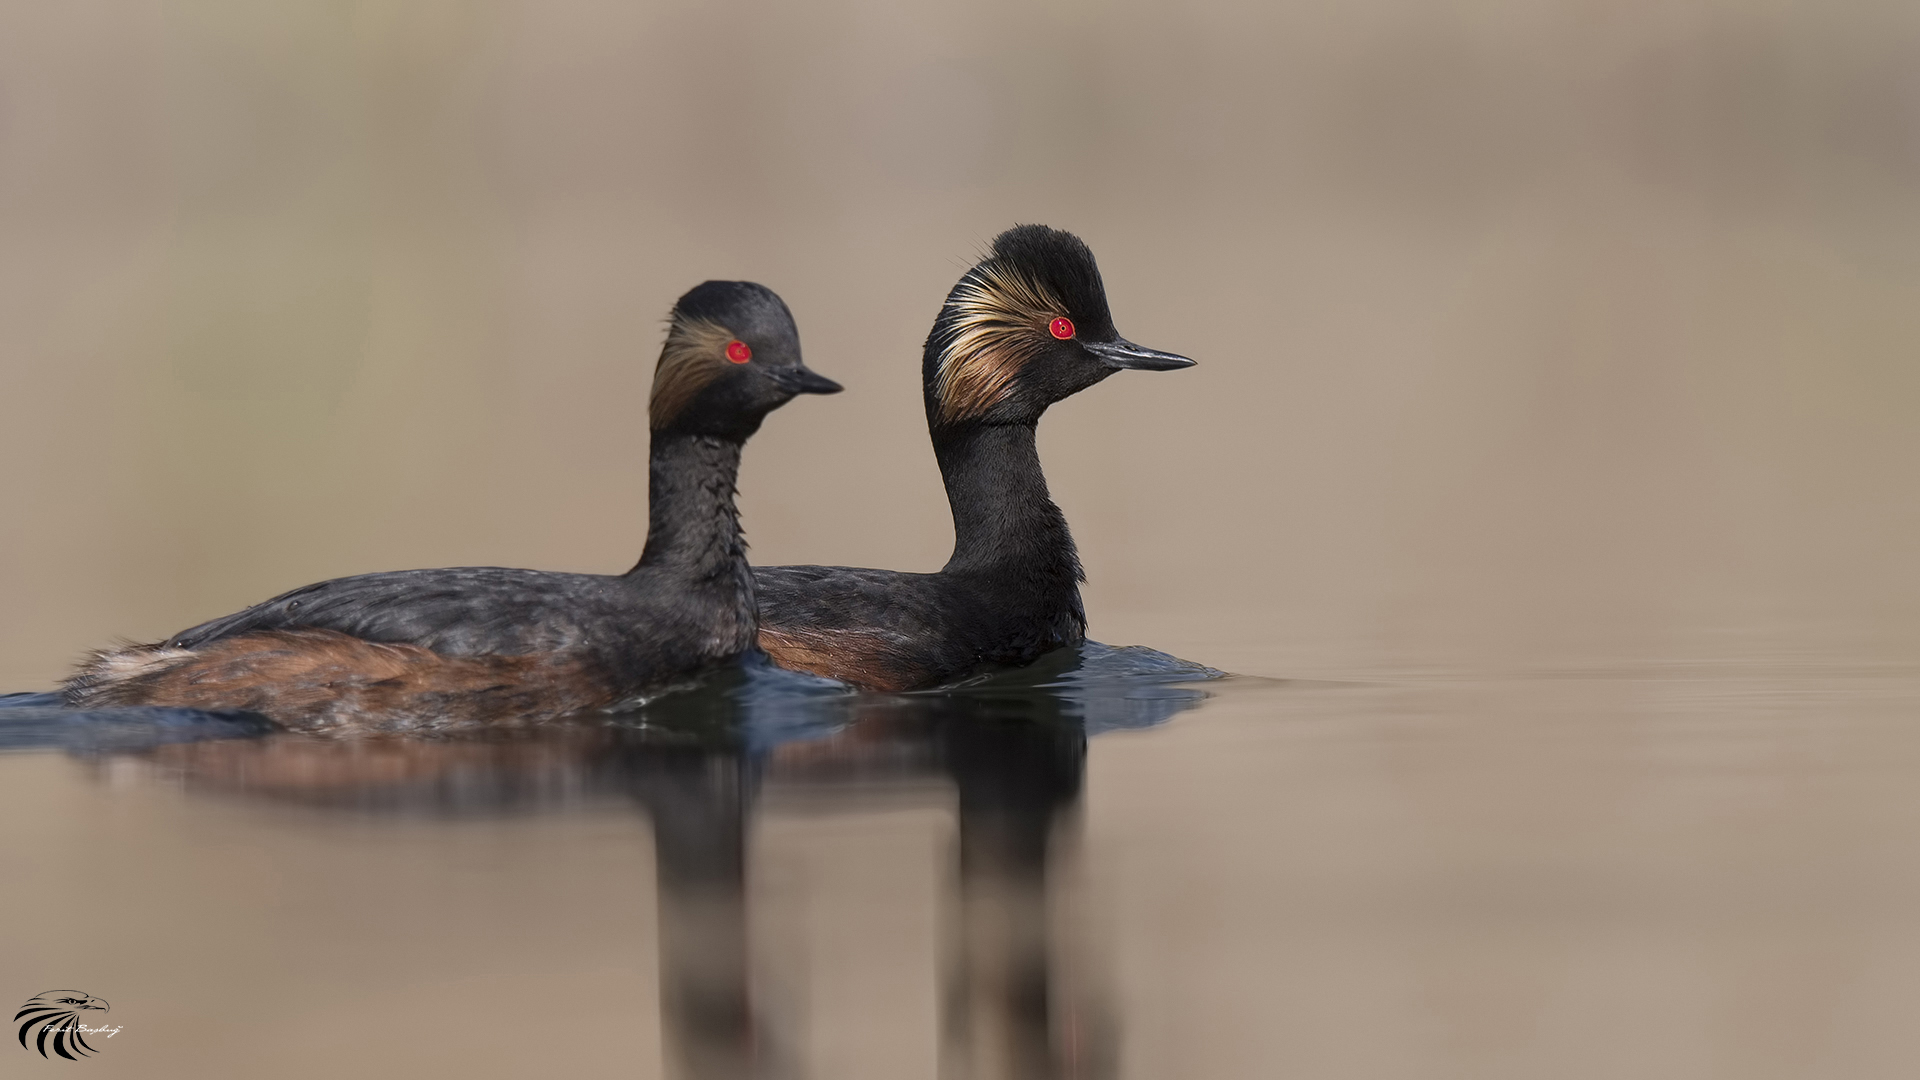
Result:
pixel 433 650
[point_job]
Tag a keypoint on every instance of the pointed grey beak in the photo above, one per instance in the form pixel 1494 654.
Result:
pixel 800 379
pixel 1121 353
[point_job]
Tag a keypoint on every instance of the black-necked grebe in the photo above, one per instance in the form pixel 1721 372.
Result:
pixel 424 650
pixel 1023 329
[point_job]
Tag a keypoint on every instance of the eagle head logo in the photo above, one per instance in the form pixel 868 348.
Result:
pixel 58 1013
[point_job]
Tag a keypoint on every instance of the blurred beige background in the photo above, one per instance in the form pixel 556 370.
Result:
pixel 1579 338
pixel 1530 334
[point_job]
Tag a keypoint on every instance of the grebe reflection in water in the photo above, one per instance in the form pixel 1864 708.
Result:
pixel 711 767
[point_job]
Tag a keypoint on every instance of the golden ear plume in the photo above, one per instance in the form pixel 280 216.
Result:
pixel 1000 324
pixel 691 358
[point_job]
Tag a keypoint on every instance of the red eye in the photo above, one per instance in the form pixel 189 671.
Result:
pixel 738 352
pixel 1062 328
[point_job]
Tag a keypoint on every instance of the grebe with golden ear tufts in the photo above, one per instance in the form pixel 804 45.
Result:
pixel 1025 327
pixel 429 650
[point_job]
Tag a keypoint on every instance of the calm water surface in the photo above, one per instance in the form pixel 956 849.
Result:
pixel 1554 434
pixel 1112 865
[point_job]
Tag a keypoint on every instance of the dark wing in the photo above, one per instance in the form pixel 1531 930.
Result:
pixel 464 611
pixel 885 602
pixel 879 629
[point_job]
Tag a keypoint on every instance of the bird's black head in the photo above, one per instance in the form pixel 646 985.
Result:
pixel 1026 327
pixel 732 356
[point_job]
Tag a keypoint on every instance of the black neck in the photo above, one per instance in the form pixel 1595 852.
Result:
pixel 1005 525
pixel 693 528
